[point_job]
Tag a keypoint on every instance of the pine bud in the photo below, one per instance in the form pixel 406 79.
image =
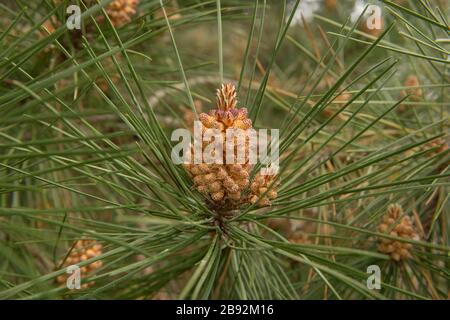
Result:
pixel 228 183
pixel 224 182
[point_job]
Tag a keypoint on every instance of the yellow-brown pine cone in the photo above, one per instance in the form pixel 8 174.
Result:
pixel 396 223
pixel 83 250
pixel 259 190
pixel 119 11
pixel 224 182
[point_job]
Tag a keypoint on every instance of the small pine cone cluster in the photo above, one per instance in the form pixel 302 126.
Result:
pixel 227 183
pixel 259 190
pixel 83 250
pixel 120 11
pixel 395 223
pixel 224 182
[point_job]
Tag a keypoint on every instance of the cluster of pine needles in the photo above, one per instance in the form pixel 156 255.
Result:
pixel 87 179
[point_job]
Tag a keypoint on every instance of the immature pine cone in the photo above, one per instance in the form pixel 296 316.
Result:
pixel 224 182
pixel 83 250
pixel 400 225
pixel 227 182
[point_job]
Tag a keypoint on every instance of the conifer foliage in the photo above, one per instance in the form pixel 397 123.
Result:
pixel 87 181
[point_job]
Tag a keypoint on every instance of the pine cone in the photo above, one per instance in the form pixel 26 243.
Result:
pixel 83 250
pixel 224 182
pixel 396 223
